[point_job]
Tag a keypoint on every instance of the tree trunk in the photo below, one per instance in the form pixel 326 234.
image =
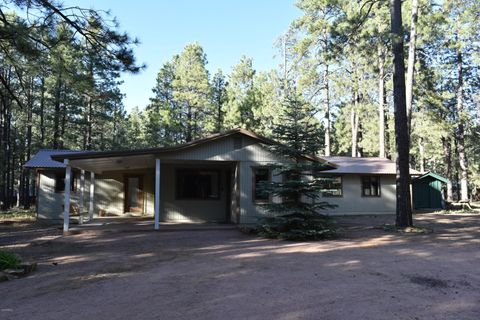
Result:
pixel 63 124
pixel 188 136
pixel 89 124
pixel 28 147
pixel 421 152
pixel 402 141
pixel 42 112
pixel 381 104
pixel 2 145
pixel 411 62
pixel 354 119
pixel 447 151
pixel 462 158
pixel 56 116
pixel 327 112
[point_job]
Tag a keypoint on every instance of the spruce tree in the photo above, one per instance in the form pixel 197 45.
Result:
pixel 297 216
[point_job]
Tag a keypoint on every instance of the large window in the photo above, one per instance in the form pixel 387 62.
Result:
pixel 196 184
pixel 371 186
pixel 260 175
pixel 332 186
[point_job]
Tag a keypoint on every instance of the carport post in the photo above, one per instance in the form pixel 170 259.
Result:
pixel 66 204
pixel 157 194
pixel 82 196
pixel 92 193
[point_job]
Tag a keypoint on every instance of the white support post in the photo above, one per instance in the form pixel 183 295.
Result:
pixel 92 193
pixel 157 194
pixel 82 196
pixel 66 204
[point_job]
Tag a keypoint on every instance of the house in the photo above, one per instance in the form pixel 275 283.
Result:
pixel 211 179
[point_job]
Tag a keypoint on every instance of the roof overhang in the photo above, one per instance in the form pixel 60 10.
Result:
pixel 100 161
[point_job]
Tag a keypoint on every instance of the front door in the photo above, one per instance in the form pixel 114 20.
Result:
pixel 133 194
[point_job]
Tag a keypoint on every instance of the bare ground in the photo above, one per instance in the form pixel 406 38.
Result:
pixel 128 271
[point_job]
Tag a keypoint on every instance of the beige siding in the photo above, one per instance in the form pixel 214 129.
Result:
pixel 352 202
pixel 223 150
pixel 50 203
pixel 110 194
pixel 173 209
pixel 109 187
pixel 251 154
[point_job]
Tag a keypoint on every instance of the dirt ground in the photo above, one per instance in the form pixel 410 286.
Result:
pixel 129 271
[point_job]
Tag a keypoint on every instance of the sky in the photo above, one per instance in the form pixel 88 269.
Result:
pixel 226 29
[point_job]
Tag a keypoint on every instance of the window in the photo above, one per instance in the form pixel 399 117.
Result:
pixel 195 184
pixel 332 186
pixel 371 186
pixel 260 175
pixel 60 182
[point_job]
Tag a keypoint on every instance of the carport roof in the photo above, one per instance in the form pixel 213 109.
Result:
pixel 43 159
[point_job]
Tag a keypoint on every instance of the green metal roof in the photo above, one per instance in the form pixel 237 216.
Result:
pixel 432 175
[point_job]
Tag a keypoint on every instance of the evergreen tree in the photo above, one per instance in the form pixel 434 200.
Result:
pixel 191 91
pixel 241 93
pixel 219 99
pixel 296 216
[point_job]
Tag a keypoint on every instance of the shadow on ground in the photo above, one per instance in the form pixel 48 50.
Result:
pixel 126 271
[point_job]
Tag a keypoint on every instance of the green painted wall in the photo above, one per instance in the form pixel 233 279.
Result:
pixel 427 193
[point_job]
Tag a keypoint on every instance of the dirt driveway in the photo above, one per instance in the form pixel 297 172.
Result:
pixel 215 272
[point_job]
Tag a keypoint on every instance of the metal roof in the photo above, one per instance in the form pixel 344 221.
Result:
pixel 43 159
pixel 367 165
pixel 191 144
pixel 434 176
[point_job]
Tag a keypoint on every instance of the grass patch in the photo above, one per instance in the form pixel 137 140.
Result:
pixel 18 215
pixel 414 229
pixel 8 260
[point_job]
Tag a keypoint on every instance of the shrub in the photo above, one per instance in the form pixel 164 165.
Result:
pixel 8 260
pixel 297 228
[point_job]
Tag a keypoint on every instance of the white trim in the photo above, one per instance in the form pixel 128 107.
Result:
pixel 66 203
pixel 82 196
pixel 157 194
pixel 92 194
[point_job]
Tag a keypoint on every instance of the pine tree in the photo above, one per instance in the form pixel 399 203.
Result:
pixel 296 216
pixel 219 99
pixel 242 96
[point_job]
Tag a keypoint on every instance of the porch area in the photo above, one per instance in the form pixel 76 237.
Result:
pixel 146 190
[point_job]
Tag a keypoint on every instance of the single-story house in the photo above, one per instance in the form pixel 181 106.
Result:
pixel 208 180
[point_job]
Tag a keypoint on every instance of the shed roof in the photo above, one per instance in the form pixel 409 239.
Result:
pixel 433 175
pixel 366 165
pixel 43 159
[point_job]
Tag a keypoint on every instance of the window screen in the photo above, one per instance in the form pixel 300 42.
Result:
pixel 332 186
pixel 260 175
pixel 371 186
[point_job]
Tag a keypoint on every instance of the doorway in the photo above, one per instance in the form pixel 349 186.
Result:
pixel 133 190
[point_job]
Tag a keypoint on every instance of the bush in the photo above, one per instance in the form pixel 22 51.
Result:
pixel 8 260
pixel 297 228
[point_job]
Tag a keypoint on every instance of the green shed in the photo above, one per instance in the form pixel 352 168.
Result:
pixel 428 191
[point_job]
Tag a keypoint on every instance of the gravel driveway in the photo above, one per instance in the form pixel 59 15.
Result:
pixel 214 272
